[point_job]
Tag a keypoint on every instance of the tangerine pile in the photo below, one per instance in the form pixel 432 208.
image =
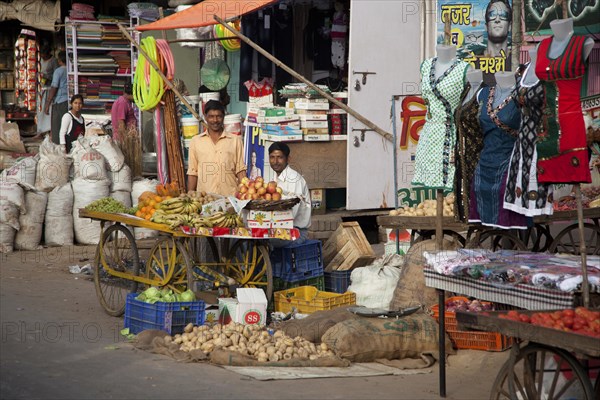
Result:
pixel 148 201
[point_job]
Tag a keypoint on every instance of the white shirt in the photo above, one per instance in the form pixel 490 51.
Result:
pixel 66 125
pixel 294 185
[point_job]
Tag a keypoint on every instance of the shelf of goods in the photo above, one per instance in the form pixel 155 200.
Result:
pixel 100 61
pixel 7 72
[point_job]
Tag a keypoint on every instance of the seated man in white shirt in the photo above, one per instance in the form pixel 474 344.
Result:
pixel 293 185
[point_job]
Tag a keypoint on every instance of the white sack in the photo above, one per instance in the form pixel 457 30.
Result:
pixel 7 238
pixel 32 223
pixel 109 149
pixel 53 166
pixel 123 196
pixel 58 231
pixel 143 233
pixel 374 284
pixel 14 193
pixel 121 179
pixel 85 191
pixel 140 186
pixel 60 201
pixel 22 172
pixel 9 214
pixel 88 163
pixel 10 138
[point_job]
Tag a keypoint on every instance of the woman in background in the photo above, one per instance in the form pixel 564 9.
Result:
pixel 72 125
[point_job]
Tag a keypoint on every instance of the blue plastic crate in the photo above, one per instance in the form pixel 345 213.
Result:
pixel 337 281
pixel 298 262
pixel 170 317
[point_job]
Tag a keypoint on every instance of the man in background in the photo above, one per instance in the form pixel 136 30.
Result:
pixel 58 97
pixel 122 114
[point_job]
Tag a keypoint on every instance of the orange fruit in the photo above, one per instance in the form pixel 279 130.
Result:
pixel 157 199
pixel 147 217
pixel 139 213
pixel 152 211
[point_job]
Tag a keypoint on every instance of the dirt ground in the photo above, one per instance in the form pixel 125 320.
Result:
pixel 57 343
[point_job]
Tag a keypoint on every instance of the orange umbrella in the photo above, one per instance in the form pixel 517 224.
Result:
pixel 202 14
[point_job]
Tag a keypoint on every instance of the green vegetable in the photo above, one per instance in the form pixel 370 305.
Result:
pixel 166 295
pixel 107 205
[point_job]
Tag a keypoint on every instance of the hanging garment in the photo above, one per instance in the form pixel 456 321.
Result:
pixel 523 193
pixel 561 146
pixel 499 126
pixel 434 158
pixel 469 143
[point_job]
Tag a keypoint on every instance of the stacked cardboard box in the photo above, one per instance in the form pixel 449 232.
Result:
pixel 338 118
pixel 278 124
pixel 313 117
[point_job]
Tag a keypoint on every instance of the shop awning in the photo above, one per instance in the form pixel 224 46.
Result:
pixel 202 14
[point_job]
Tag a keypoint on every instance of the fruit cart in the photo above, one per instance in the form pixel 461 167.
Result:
pixel 538 238
pixel 176 259
pixel 547 364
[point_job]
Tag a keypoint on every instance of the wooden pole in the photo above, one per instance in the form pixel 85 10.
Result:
pixel 517 35
pixel 582 248
pixel 164 78
pixel 439 229
pixel 296 75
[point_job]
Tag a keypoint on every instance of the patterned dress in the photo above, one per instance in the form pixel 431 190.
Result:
pixel 523 193
pixel 469 143
pixel 500 128
pixel 434 158
pixel 561 146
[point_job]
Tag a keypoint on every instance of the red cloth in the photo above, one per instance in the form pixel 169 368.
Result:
pixel 562 148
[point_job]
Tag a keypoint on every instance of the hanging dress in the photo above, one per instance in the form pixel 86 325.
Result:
pixel 434 158
pixel 523 193
pixel 561 146
pixel 499 126
pixel 469 143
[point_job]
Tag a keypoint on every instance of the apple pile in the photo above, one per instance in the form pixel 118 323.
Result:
pixel 258 190
pixel 580 320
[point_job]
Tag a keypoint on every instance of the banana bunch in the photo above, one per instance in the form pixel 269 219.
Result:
pixel 176 220
pixel 226 220
pixel 183 204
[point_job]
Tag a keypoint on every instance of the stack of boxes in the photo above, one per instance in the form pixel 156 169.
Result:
pixel 313 118
pixel 278 124
pixel 338 118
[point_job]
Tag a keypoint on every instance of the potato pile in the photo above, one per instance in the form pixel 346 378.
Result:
pixel 249 340
pixel 427 208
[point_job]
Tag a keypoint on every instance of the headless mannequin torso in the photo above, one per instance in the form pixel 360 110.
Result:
pixel 505 84
pixel 446 56
pixel 562 30
pixel 474 77
pixel 529 77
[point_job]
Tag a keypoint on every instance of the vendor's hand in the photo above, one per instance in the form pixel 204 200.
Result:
pixel 47 110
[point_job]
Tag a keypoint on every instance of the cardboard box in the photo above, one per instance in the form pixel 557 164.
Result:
pixel 312 117
pixel 317 199
pixel 214 206
pixel 338 137
pixel 281 138
pixel 282 219
pixel 316 138
pixel 249 308
pixel 311 106
pixel 314 124
pixel 260 219
pixel 315 131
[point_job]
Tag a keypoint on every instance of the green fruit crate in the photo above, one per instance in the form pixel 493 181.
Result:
pixel 307 299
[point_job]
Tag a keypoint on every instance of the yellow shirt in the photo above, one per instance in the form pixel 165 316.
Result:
pixel 216 164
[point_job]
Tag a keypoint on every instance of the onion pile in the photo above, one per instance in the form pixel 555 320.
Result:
pixel 468 306
pixel 249 340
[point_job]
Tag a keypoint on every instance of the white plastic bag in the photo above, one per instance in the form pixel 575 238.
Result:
pixel 85 191
pixel 140 186
pixel 30 234
pixel 121 179
pixel 109 150
pixel 374 284
pixel 53 166
pixel 22 172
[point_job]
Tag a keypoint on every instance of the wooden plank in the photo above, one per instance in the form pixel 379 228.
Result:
pixel 335 242
pixel 322 164
pixel 362 240
pixel 426 223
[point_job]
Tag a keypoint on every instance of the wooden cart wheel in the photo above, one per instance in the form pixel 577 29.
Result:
pixel 496 239
pixel 542 372
pixel 538 239
pixel 169 257
pixel 116 250
pixel 249 264
pixel 417 236
pixel 567 241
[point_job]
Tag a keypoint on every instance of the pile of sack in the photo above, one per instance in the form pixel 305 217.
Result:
pixel 42 195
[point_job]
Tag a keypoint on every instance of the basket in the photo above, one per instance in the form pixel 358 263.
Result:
pixel 170 317
pixel 297 262
pixel 307 299
pixel 337 281
pixel 473 340
pixel 272 205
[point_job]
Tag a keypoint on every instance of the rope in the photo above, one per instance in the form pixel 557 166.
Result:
pixel 148 87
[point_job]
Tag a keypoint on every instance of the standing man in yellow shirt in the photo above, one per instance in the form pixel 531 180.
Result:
pixel 216 161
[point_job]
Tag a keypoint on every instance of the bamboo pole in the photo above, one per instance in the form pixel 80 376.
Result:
pixel 157 69
pixel 296 75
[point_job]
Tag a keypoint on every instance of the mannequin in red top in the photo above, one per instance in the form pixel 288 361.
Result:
pixel 561 143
